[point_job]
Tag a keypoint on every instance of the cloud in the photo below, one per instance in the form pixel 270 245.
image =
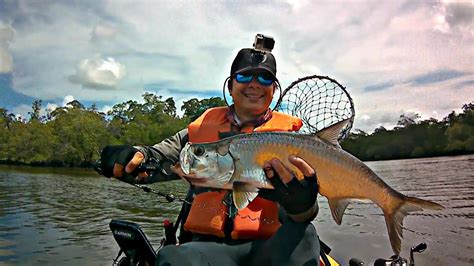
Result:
pixel 430 100
pixel 22 111
pixel 160 89
pixel 66 100
pixel 50 107
pixel 105 109
pixel 98 73
pixel 436 76
pixel 433 77
pixel 454 17
pixel 104 32
pixel 6 36
pixel 418 51
pixel 459 15
pixel 380 86
pixel 468 83
pixel 370 122
pixel 9 98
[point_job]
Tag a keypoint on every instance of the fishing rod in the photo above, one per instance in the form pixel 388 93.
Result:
pixel 168 196
pixel 156 170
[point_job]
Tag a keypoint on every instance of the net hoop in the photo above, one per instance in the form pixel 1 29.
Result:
pixel 320 101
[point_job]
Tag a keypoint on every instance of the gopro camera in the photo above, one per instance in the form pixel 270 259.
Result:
pixel 263 43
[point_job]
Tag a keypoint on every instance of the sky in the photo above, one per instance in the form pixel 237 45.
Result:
pixel 394 57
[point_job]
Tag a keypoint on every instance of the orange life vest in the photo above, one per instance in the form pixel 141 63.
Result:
pixel 208 214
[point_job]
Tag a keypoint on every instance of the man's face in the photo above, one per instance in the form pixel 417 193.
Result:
pixel 252 98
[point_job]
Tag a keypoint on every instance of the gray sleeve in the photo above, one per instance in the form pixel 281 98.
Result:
pixel 168 149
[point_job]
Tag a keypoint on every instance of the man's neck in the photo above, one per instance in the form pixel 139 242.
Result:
pixel 242 120
pixel 245 117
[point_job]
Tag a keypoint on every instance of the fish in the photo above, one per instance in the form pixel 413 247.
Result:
pixel 236 163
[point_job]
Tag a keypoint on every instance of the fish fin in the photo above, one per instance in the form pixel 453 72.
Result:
pixel 394 220
pixel 338 206
pixel 243 194
pixel 331 134
pixel 237 175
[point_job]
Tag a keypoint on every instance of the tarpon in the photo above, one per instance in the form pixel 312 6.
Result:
pixel 236 162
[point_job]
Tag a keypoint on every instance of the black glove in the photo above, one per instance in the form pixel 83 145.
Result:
pixel 110 155
pixel 296 197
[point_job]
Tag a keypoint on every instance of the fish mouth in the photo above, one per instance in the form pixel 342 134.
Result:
pixel 185 159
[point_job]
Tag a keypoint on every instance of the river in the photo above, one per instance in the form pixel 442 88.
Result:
pixel 61 216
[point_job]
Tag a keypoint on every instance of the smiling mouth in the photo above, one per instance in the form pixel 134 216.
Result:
pixel 253 96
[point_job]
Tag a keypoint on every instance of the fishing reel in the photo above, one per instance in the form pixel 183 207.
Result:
pixel 394 260
pixel 157 170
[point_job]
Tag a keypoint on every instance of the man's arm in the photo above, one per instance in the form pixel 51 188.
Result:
pixel 168 149
pixel 118 161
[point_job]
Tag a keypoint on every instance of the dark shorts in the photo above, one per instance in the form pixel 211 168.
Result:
pixel 293 244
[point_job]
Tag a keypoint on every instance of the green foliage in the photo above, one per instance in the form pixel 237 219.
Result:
pixel 411 139
pixel 34 143
pixel 194 107
pixel 35 110
pixel 460 134
pixel 81 132
pixel 75 134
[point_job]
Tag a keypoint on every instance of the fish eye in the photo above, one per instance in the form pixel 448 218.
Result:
pixel 199 151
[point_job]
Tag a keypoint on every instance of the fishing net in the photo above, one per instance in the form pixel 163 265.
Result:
pixel 320 102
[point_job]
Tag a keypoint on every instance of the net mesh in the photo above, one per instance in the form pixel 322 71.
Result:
pixel 320 102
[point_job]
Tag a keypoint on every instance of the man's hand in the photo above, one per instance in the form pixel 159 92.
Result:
pixel 120 159
pixel 298 198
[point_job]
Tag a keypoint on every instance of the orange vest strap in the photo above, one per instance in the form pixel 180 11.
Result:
pixel 207 127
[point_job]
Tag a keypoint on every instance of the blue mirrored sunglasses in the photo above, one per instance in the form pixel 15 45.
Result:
pixel 264 80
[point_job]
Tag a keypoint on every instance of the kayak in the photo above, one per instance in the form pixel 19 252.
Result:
pixel 332 262
pixel 136 249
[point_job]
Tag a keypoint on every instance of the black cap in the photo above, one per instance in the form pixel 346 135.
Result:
pixel 250 60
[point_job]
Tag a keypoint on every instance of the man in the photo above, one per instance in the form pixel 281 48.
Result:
pixel 275 229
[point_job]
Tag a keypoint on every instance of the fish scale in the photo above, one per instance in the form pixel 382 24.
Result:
pixel 257 148
pixel 236 163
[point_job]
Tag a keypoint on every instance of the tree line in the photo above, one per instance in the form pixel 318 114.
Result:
pixel 73 135
pixel 453 135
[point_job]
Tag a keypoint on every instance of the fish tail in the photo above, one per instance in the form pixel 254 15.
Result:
pixel 394 218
